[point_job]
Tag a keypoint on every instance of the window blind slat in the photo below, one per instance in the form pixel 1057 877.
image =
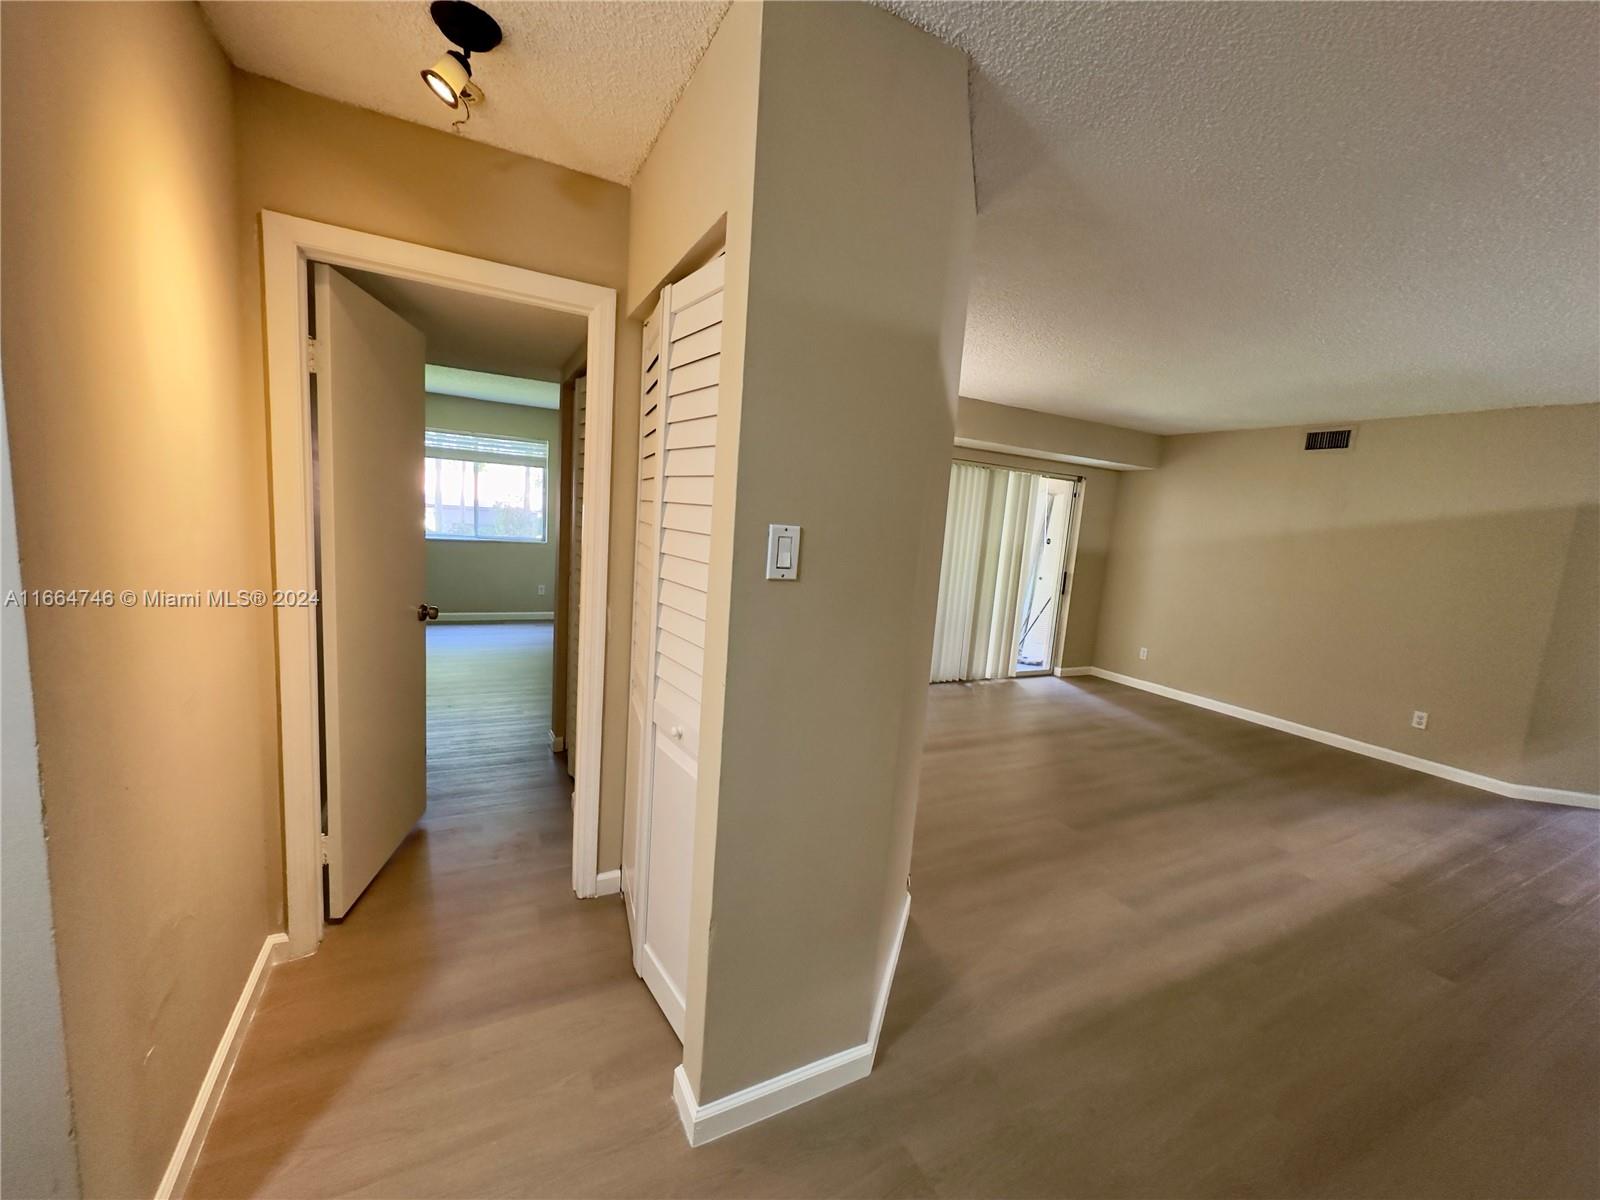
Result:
pixel 447 443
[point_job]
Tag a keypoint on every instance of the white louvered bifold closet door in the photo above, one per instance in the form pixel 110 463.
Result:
pixel 580 391
pixel 691 352
pixel 647 522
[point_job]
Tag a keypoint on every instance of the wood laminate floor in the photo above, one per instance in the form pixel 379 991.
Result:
pixel 1153 952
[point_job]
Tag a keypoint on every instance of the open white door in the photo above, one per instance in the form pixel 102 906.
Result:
pixel 369 436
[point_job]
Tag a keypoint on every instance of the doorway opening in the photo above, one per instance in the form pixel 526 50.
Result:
pixel 379 478
pixel 1005 577
pixel 413 382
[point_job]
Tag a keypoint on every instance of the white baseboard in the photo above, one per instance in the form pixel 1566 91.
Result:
pixel 608 883
pixel 187 1151
pixel 492 618
pixel 1514 791
pixel 1071 672
pixel 704 1123
pixel 557 742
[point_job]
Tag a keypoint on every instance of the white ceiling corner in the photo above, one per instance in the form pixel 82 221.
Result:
pixel 586 85
pixel 1223 215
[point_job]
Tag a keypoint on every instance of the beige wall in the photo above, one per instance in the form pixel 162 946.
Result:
pixel 984 426
pixel 861 227
pixel 864 163
pixel 1097 506
pixel 139 463
pixel 315 158
pixel 493 577
pixel 693 190
pixel 1446 564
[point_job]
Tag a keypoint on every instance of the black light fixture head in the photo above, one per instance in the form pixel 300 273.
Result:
pixel 475 32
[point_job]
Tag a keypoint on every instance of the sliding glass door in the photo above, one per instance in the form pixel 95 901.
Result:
pixel 1045 577
pixel 1006 535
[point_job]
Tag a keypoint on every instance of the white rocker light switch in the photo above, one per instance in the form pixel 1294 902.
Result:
pixel 783 551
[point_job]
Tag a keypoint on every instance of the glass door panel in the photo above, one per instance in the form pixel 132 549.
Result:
pixel 1043 568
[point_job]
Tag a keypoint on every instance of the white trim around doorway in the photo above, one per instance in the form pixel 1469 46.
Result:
pixel 289 244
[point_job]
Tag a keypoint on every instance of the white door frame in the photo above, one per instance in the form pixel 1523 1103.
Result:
pixel 288 244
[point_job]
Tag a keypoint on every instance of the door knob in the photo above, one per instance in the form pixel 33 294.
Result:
pixel 427 612
pixel 677 733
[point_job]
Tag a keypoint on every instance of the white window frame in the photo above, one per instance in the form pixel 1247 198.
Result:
pixel 481 457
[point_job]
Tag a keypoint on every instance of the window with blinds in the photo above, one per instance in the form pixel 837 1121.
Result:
pixel 479 487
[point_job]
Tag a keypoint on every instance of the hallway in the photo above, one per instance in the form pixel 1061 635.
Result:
pixel 455 1010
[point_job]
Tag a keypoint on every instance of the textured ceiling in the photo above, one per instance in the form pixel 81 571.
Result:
pixel 587 85
pixel 1206 216
pixel 481 333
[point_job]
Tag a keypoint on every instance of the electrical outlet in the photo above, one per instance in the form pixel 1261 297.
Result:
pixel 1144 651
pixel 541 589
pixel 1419 720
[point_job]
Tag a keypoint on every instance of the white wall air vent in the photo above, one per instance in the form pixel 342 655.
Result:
pixel 1330 439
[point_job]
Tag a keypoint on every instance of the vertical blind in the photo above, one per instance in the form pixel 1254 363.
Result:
pixel 958 577
pixel 988 555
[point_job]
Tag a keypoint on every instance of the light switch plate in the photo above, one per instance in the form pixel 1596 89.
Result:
pixel 783 551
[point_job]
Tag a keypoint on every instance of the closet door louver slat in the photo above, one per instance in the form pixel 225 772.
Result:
pixel 701 403
pixel 690 601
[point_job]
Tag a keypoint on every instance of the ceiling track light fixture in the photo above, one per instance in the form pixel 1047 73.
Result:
pixel 474 32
